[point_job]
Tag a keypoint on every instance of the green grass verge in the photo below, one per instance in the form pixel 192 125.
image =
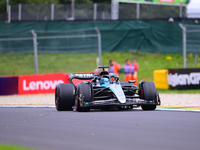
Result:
pixel 20 64
pixel 13 147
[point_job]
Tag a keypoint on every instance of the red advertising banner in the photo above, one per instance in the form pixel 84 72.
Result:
pixel 156 1
pixel 169 1
pixel 35 84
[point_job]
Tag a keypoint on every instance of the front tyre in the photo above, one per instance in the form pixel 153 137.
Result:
pixel 64 97
pixel 148 92
pixel 84 94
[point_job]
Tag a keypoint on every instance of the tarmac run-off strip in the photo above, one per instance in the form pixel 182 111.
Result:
pixel 172 108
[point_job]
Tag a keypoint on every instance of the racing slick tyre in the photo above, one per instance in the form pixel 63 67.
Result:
pixel 84 92
pixel 148 92
pixel 64 96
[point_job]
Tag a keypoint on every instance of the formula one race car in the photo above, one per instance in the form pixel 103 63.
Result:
pixel 104 91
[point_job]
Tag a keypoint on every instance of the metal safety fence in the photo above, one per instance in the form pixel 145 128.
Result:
pixel 96 11
pixel 191 42
pixel 33 51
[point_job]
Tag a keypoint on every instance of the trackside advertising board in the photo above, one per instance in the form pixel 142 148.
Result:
pixel 171 1
pixel 157 1
pixel 46 83
pixel 131 0
pixel 33 84
pixel 184 78
pixel 9 85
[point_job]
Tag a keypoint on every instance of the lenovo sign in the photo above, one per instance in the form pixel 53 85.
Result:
pixel 40 85
pixel 34 84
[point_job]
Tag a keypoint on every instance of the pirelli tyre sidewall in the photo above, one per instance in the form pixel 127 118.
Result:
pixel 84 91
pixel 64 97
pixel 148 92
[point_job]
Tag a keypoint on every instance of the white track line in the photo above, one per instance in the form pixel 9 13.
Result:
pixel 28 106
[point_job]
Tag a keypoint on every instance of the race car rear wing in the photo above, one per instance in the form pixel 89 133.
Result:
pixel 80 77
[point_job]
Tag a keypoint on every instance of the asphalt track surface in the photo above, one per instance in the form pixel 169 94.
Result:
pixel 48 129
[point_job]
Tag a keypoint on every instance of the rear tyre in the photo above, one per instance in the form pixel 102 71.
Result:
pixel 84 92
pixel 148 92
pixel 64 97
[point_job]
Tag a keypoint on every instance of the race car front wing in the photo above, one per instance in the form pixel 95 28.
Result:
pixel 115 102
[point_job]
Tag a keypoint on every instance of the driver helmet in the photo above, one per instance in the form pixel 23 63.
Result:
pixel 104 80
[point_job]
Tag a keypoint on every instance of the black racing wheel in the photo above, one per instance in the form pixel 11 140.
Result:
pixel 64 96
pixel 84 93
pixel 148 92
